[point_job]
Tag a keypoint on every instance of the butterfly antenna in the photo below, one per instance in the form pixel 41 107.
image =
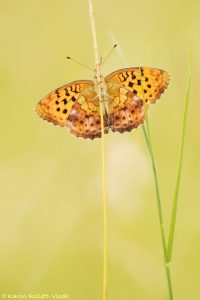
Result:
pixel 77 62
pixel 108 55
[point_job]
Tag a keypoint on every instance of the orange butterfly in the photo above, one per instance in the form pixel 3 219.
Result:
pixel 76 104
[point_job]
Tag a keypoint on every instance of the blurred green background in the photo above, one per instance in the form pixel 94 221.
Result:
pixel 51 186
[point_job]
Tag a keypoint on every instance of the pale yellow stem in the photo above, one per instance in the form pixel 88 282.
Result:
pixel 105 214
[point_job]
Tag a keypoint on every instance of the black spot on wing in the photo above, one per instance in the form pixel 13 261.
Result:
pixel 73 99
pixel 133 76
pixel 130 84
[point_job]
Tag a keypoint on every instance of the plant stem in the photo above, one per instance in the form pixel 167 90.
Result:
pixel 105 213
pixel 180 163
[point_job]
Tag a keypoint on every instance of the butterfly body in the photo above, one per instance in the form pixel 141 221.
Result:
pixel 123 95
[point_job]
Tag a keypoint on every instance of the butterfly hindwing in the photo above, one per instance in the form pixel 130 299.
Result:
pixel 84 120
pixel 126 110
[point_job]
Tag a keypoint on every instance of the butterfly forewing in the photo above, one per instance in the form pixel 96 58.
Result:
pixel 57 105
pixel 147 83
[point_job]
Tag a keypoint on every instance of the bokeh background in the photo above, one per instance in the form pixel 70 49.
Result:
pixel 51 187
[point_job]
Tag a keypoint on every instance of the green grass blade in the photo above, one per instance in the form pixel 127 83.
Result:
pixel 179 171
pixel 146 132
pixel 147 135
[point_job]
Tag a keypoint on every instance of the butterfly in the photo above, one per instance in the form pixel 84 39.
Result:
pixel 125 94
